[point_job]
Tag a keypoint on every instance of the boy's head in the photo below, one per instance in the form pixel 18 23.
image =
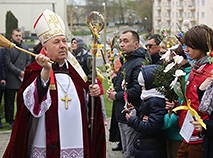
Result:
pixel 146 76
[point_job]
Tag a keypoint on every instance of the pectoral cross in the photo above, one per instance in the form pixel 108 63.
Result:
pixel 66 101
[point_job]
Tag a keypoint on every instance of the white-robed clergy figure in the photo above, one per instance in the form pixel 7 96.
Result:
pixel 53 101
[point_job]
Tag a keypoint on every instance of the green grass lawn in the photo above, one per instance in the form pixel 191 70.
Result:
pixel 107 103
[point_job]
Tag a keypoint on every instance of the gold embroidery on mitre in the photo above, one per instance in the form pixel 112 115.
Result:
pixel 53 19
pixel 48 35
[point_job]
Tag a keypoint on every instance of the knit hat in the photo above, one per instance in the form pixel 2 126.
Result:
pixel 146 78
pixel 49 25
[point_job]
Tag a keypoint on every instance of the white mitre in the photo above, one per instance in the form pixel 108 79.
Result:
pixel 49 25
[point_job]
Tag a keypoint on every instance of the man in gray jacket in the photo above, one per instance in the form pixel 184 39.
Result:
pixel 15 63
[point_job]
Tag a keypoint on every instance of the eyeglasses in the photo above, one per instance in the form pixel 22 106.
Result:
pixel 150 45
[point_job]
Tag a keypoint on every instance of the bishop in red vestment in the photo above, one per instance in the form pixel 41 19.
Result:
pixel 53 110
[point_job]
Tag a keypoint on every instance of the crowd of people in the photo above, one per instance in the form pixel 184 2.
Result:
pixel 54 94
pixel 147 127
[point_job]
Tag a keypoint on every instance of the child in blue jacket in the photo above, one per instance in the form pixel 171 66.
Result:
pixel 150 141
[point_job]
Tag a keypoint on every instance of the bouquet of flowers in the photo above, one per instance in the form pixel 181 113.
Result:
pixel 169 78
pixel 114 53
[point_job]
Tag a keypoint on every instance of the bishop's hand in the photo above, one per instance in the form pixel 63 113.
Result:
pixel 44 62
pixel 94 90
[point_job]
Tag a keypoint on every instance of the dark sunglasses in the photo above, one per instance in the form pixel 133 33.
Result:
pixel 150 45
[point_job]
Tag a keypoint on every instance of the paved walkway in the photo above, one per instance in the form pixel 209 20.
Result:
pixel 5 135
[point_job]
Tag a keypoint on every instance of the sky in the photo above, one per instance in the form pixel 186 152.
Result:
pixel 76 2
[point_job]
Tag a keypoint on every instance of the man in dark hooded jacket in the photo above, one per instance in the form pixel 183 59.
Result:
pixel 134 57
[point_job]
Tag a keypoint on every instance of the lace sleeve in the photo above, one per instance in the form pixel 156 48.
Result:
pixel 31 100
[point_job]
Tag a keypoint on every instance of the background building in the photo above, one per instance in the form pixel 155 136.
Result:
pixel 169 13
pixel 27 11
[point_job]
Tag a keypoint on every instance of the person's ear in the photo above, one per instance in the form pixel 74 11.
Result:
pixel 44 47
pixel 136 44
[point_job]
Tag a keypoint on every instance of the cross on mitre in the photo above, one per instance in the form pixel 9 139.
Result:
pixel 53 19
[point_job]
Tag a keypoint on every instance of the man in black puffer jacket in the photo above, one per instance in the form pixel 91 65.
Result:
pixel 134 57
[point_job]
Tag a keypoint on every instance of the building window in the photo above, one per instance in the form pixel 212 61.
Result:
pixel 193 14
pixel 198 2
pixel 203 15
pixel 159 4
pixel 203 2
pixel 193 3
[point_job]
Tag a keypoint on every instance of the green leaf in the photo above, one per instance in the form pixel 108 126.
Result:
pixel 183 84
pixel 179 92
pixel 163 80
